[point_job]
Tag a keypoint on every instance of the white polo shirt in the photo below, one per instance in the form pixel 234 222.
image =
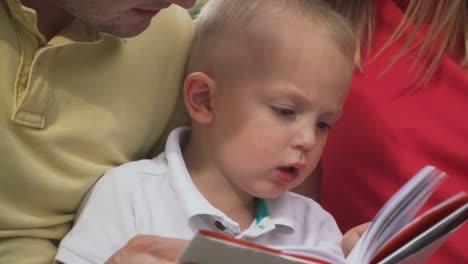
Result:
pixel 158 197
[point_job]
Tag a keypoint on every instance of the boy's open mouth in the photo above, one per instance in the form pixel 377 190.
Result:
pixel 287 174
pixel 289 169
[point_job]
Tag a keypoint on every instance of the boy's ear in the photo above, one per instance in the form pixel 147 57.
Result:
pixel 198 91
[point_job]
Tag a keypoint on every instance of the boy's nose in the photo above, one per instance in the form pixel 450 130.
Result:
pixel 305 139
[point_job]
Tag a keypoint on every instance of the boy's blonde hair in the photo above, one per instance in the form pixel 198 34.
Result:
pixel 220 18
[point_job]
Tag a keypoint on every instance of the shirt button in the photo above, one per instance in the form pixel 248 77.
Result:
pixel 219 225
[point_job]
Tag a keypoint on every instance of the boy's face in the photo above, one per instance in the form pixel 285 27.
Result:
pixel 123 18
pixel 271 120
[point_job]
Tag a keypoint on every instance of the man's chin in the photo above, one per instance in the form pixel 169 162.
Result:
pixel 127 31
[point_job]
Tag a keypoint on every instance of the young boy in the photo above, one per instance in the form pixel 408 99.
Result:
pixel 266 80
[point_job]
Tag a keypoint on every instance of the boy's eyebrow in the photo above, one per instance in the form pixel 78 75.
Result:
pixel 292 91
pixel 335 114
pixel 299 95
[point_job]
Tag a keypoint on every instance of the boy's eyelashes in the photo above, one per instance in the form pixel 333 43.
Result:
pixel 290 112
pixel 324 126
pixel 283 111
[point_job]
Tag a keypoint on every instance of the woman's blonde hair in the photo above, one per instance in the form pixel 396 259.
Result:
pixel 447 22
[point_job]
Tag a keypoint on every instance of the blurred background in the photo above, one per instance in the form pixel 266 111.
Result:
pixel 196 8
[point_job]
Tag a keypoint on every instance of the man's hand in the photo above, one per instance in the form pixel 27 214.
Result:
pixel 149 250
pixel 352 236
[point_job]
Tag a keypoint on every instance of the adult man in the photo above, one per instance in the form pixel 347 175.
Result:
pixel 75 101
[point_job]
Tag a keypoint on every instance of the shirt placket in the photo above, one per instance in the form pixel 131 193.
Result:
pixel 31 88
pixel 31 108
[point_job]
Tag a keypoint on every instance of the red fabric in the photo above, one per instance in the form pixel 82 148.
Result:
pixel 390 129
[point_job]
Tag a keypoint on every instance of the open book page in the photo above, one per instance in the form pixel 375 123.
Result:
pixel 396 213
pixel 419 256
pixel 426 233
pixel 393 237
pixel 313 254
pixel 209 247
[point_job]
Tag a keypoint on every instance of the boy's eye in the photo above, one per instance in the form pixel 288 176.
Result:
pixel 283 111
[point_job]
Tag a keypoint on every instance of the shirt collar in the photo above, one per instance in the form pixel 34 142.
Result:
pixel 271 213
pixel 194 202
pixel 280 215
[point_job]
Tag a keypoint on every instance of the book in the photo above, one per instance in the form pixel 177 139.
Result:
pixel 394 236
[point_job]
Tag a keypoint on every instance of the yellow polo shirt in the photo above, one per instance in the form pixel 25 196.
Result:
pixel 72 108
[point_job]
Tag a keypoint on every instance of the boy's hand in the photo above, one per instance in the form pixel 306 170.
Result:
pixel 351 237
pixel 149 250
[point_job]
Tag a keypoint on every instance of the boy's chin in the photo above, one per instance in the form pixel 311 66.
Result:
pixel 270 194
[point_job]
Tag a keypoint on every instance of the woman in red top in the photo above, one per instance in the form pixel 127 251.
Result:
pixel 408 107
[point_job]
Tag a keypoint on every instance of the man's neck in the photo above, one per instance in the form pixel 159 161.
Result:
pixel 50 19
